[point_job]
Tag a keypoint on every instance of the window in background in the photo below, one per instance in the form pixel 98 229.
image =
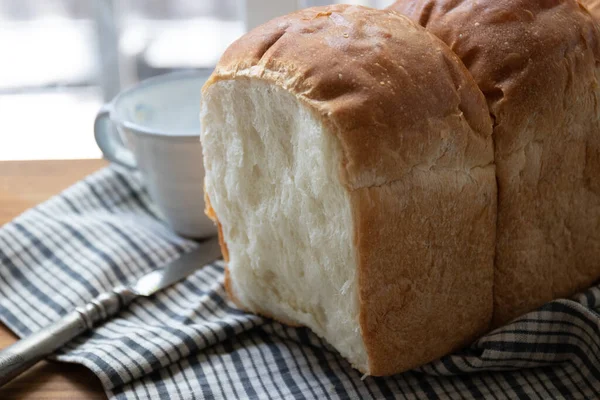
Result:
pixel 158 36
pixel 63 58
pixel 48 85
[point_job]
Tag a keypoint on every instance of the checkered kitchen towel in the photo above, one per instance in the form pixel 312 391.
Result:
pixel 190 342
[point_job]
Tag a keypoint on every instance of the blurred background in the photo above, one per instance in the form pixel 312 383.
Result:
pixel 61 59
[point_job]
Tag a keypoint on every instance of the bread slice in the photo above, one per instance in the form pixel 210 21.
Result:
pixel 537 64
pixel 349 165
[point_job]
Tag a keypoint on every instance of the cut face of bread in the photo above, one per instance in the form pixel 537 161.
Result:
pixel 272 171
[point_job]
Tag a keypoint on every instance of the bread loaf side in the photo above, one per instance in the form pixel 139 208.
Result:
pixel 537 64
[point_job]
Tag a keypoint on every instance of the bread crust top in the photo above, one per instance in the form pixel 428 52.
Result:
pixel 394 94
pixel 523 55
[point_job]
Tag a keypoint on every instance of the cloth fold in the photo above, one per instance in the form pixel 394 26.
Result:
pixel 190 342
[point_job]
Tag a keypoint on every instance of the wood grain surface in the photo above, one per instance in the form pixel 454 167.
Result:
pixel 23 184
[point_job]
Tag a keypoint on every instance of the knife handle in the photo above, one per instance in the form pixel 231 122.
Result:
pixel 20 356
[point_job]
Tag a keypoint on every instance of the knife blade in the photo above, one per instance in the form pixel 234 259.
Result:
pixel 20 356
pixel 161 278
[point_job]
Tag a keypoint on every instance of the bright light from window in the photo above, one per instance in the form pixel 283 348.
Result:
pixel 51 125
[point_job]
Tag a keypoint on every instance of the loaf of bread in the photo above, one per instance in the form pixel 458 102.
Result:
pixel 349 166
pixel 537 65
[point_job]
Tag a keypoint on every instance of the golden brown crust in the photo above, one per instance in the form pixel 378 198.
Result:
pixel 210 213
pixel 593 6
pixel 417 161
pixel 536 63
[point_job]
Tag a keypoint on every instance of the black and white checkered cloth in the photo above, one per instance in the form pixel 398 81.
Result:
pixel 190 342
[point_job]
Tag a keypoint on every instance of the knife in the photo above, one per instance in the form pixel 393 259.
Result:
pixel 23 354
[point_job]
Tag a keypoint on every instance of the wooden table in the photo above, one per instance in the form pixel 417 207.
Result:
pixel 23 184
